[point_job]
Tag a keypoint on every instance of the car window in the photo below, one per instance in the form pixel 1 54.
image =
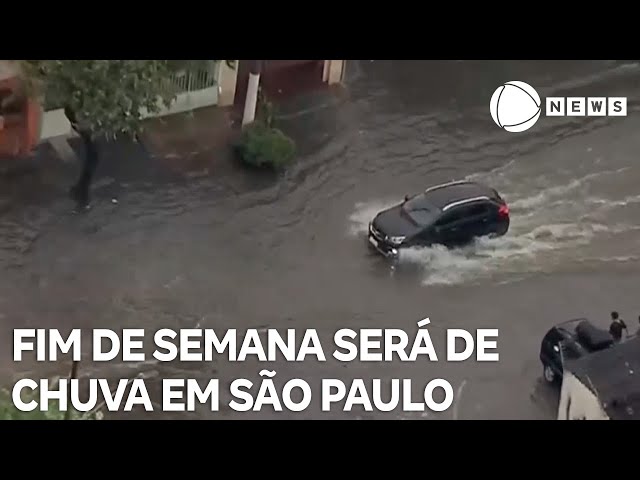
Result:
pixel 463 212
pixel 571 347
pixel 572 351
pixel 419 201
pixel 476 210
pixel 451 217
pixel 420 210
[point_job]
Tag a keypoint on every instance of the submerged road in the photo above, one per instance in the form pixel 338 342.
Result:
pixel 283 253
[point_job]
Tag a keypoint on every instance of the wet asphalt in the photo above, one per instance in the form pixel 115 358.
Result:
pixel 242 250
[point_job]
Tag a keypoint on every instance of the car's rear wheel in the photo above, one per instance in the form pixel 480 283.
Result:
pixel 549 374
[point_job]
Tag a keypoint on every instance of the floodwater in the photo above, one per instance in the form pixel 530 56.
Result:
pixel 209 252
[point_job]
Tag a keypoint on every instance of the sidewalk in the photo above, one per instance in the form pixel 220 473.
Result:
pixel 182 146
pixel 172 149
pixel 178 143
pixel 200 140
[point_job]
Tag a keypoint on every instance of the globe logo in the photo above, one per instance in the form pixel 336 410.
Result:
pixel 515 106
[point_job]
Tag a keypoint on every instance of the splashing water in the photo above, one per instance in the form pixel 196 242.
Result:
pixel 551 226
pixel 364 213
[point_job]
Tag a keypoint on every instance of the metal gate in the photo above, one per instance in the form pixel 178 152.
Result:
pixel 195 89
pixel 200 79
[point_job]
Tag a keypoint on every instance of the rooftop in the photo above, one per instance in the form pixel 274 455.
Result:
pixel 613 375
pixel 442 196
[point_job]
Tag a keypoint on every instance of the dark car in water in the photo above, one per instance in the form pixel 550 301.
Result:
pixel 570 340
pixel 451 214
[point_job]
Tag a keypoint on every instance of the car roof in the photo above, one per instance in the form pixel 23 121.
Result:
pixel 613 374
pixel 441 196
pixel 583 332
pixel 570 325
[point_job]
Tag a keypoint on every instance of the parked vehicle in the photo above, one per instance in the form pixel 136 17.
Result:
pixel 572 339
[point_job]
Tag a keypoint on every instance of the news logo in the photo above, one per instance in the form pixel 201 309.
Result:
pixel 516 106
pixel 589 106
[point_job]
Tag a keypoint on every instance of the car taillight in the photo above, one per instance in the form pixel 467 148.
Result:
pixel 504 211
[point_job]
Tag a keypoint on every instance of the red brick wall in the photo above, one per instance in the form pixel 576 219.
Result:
pixel 280 77
pixel 20 131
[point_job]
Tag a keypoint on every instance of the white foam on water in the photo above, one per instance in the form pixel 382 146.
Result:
pixel 558 194
pixel 364 212
pixel 608 203
pixel 549 228
pixel 489 256
pixel 589 80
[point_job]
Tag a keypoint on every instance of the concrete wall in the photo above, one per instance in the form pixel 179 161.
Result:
pixel 334 71
pixel 227 79
pixel 54 124
pixel 577 402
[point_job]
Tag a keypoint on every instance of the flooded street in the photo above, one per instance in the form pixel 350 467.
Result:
pixel 220 252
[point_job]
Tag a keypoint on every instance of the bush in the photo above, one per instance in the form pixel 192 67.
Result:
pixel 264 146
pixel 8 410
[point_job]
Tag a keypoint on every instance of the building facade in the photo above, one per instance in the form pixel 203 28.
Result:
pixel 20 117
pixel 199 89
pixel 223 84
pixel 604 385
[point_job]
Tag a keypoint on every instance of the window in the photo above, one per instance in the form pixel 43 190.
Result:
pixel 451 217
pixel 419 210
pixel 571 351
pixel 476 210
pixel 417 202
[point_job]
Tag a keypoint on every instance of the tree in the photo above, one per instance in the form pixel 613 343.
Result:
pixel 103 98
pixel 108 97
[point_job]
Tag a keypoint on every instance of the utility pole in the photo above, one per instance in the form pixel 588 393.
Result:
pixel 251 100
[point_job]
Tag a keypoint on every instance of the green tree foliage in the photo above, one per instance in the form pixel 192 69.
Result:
pixel 108 97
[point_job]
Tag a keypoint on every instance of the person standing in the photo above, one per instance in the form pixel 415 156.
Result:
pixel 617 326
pixel 80 191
